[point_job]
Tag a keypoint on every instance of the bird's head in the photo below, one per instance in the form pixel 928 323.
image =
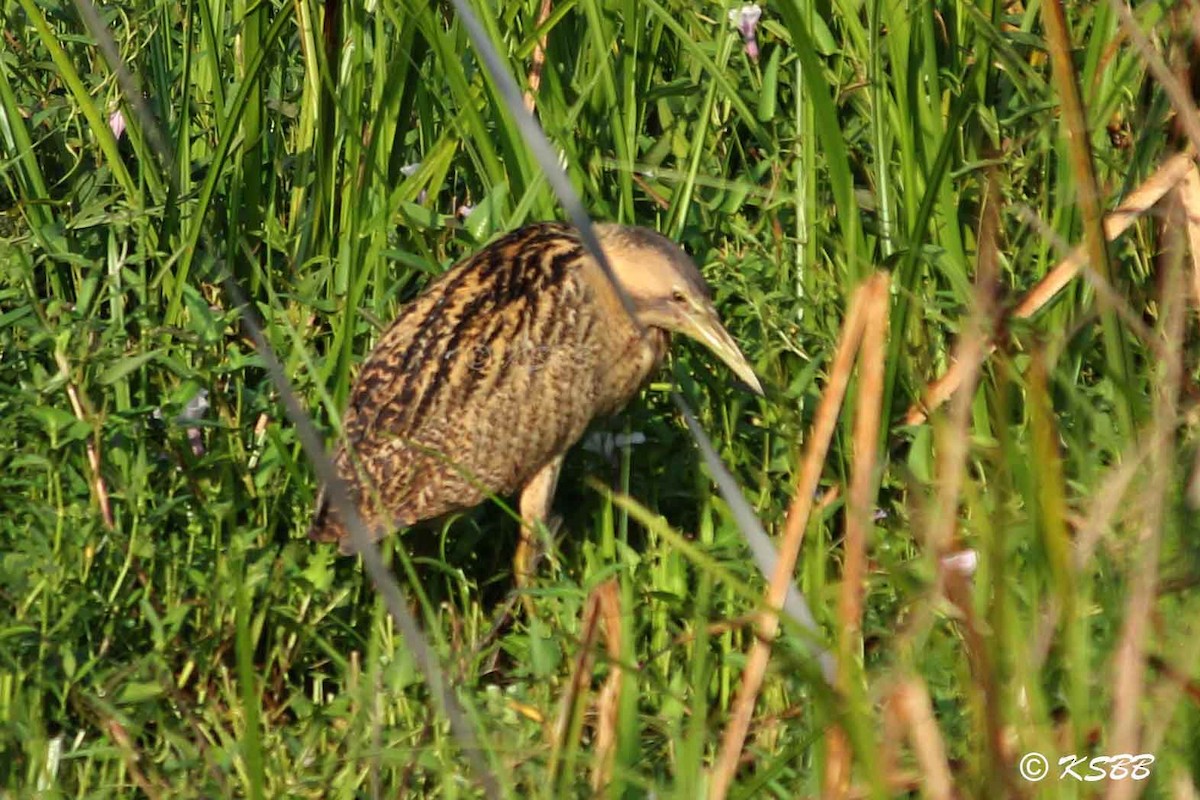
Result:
pixel 668 292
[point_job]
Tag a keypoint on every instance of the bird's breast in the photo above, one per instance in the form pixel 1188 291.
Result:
pixel 634 359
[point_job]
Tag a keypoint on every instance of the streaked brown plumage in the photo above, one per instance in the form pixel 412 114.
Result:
pixel 495 370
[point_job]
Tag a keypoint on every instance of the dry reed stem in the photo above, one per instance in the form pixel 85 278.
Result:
pixel 1139 201
pixel 860 502
pixel 99 488
pixel 1182 788
pixel 650 191
pixel 912 706
pixel 975 633
pixel 539 58
pixel 608 702
pixel 894 731
pixel 1129 659
pixel 861 497
pixel 602 606
pixel 817 448
pixel 580 677
pixel 1189 196
pixel 835 783
pixel 132 759
pixel 260 432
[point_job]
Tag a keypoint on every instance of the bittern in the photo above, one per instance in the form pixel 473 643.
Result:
pixel 488 377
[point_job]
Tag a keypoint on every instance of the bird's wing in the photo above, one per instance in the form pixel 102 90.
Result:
pixel 466 393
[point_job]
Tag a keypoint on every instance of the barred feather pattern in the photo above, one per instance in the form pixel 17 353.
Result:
pixel 493 371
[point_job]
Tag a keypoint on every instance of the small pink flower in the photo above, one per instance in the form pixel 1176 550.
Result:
pixel 195 410
pixel 116 122
pixel 963 562
pixel 745 19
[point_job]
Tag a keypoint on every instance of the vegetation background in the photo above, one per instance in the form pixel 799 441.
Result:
pixel 166 630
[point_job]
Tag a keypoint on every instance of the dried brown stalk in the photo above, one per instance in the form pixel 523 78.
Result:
pixel 603 606
pixel 608 702
pixel 912 706
pixel 539 58
pixel 863 305
pixel 99 488
pixel 859 511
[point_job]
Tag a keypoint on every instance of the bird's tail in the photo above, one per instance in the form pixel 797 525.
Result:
pixel 325 525
pixel 328 525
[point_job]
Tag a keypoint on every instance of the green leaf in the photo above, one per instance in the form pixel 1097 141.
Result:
pixel 61 426
pixel 119 370
pixel 139 692
pixel 768 95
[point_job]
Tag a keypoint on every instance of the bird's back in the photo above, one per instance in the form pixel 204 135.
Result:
pixel 488 375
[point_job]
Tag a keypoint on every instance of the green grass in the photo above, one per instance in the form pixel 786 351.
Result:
pixel 201 647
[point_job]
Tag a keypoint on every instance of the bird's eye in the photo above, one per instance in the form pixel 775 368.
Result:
pixel 677 295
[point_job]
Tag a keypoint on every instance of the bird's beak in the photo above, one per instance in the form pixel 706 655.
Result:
pixel 703 325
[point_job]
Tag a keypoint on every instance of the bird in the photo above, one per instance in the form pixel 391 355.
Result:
pixel 487 378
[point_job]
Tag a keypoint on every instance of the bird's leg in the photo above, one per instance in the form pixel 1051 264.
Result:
pixel 535 502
